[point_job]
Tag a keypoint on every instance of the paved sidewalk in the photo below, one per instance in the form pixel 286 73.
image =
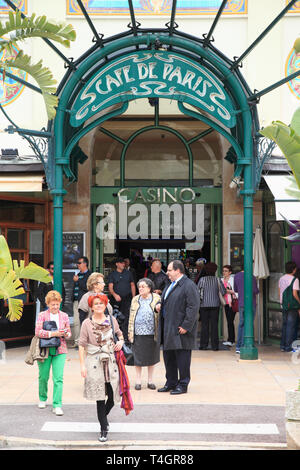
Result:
pixel 218 377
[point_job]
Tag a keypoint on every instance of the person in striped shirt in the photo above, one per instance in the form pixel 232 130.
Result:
pixel 209 286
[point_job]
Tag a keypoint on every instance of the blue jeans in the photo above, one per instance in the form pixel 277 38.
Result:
pixel 289 322
pixel 240 339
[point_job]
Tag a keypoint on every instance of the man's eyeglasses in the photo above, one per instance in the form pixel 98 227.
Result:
pixel 79 262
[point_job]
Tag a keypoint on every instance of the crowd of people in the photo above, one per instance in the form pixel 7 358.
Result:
pixel 146 311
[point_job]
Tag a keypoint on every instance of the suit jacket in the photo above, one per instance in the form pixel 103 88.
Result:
pixel 43 290
pixel 180 308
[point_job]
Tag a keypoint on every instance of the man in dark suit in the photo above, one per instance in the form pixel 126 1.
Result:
pixel 44 288
pixel 179 309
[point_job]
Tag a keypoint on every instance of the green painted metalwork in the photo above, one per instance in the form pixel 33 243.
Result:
pixel 214 61
pixel 236 90
pixel 76 138
pixel 153 74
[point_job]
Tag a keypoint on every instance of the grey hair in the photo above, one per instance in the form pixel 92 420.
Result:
pixel 147 281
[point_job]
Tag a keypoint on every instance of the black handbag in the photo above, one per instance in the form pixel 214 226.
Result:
pixel 53 342
pixel 128 353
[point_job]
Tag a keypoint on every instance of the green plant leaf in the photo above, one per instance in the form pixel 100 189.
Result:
pixel 15 309
pixel 289 143
pixel 18 29
pixel 295 123
pixel 42 75
pixel 22 28
pixel 31 271
pixel 10 285
pixel 5 257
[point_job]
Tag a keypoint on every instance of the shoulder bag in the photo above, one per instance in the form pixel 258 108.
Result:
pixel 128 353
pixel 221 297
pixel 53 342
pixel 234 304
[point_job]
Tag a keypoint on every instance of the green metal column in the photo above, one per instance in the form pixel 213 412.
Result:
pixel 58 199
pixel 248 350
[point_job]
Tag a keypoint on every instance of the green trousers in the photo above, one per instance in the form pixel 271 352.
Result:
pixel 58 364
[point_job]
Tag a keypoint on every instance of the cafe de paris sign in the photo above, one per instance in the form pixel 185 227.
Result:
pixel 153 74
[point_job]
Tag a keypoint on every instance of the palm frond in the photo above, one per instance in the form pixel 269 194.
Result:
pixel 31 271
pixel 15 309
pixel 10 285
pixel 42 75
pixel 5 257
pixel 288 141
pixel 28 27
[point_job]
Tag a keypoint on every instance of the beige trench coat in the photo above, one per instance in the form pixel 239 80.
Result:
pixel 94 384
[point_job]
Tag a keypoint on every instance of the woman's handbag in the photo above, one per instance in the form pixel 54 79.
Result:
pixel 53 342
pixel 235 304
pixel 221 297
pixel 128 353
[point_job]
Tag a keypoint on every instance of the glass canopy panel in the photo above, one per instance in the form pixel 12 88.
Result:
pixel 155 156
pixel 208 163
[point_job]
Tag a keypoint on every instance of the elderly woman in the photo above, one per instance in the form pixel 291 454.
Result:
pixel 143 331
pixel 56 357
pixel 100 369
pixel 210 286
pixel 95 285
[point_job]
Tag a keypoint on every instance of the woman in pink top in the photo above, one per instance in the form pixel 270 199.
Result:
pixel 228 281
pixel 56 358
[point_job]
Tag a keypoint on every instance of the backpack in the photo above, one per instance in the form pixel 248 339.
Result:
pixel 288 300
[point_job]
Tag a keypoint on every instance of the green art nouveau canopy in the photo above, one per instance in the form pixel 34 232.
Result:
pixel 158 63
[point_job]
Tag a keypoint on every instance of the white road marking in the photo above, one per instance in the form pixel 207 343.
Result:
pixel 170 428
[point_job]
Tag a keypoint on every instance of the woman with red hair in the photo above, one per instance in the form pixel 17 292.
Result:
pixel 97 359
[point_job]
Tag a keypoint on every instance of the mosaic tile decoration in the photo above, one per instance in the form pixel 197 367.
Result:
pixel 157 7
pixel 21 4
pixel 11 89
pixel 295 8
pixel 293 65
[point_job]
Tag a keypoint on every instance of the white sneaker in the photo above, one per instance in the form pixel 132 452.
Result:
pixel 42 404
pixel 58 411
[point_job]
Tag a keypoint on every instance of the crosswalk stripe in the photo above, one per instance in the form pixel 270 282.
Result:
pixel 170 428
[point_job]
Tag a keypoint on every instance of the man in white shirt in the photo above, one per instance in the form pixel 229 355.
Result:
pixel 289 317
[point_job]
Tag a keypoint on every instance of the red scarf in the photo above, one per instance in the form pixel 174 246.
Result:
pixel 126 402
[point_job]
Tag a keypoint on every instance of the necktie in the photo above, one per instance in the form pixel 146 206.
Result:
pixel 167 293
pixel 170 288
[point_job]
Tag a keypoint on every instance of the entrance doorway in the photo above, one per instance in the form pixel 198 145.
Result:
pixel 157 186
pixel 131 229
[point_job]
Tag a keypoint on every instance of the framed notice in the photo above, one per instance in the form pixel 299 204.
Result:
pixel 236 250
pixel 73 248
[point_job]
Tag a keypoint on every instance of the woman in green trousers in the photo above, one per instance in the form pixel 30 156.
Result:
pixel 56 357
